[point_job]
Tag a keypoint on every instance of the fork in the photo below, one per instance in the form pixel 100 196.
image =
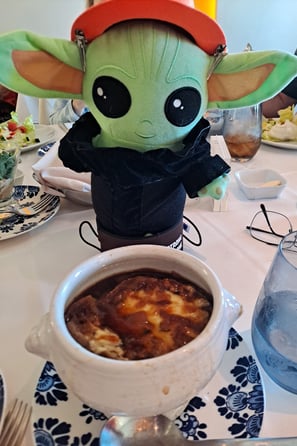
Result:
pixel 15 423
pixel 28 211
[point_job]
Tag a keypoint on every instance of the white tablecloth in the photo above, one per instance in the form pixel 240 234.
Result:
pixel 33 264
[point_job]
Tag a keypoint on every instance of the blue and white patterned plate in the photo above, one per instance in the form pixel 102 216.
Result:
pixel 2 399
pixel 16 225
pixel 232 405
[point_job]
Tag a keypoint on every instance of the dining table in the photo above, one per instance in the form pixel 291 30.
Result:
pixel 34 263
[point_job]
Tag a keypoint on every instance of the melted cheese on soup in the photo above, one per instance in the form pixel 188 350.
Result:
pixel 139 317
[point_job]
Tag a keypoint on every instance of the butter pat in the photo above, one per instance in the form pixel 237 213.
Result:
pixel 271 183
pixel 260 183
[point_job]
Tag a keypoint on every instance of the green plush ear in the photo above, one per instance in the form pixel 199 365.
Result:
pixel 40 66
pixel 249 78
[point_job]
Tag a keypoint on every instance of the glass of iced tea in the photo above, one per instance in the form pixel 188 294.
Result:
pixel 242 132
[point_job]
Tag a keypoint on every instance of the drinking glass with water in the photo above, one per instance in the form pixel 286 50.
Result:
pixel 274 332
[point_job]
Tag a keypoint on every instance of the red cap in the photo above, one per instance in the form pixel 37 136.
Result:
pixel 206 33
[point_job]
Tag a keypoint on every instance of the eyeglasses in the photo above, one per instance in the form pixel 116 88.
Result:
pixel 269 226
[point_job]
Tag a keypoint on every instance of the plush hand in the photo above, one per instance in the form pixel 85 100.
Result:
pixel 216 189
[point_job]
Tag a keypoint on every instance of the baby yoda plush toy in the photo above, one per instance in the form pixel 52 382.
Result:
pixel 147 70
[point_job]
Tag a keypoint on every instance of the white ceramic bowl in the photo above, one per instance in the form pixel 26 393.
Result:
pixel 260 183
pixel 136 388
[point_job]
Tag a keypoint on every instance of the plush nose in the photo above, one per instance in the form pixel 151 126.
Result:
pixel 145 129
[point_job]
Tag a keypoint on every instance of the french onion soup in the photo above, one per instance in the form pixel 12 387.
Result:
pixel 138 315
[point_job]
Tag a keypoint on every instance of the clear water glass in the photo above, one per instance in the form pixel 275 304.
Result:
pixel 274 332
pixel 9 157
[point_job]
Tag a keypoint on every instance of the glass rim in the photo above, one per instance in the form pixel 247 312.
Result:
pixel 285 251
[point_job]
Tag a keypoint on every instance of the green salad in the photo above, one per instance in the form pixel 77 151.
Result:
pixel 22 134
pixel 8 162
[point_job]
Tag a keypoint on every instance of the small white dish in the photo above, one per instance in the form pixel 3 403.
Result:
pixel 260 183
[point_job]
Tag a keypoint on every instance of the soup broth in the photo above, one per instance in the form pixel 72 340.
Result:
pixel 138 315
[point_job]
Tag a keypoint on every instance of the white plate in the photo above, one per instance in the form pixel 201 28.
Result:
pixel 232 405
pixel 281 144
pixel 2 399
pixel 84 198
pixel 16 224
pixel 44 133
pixel 77 196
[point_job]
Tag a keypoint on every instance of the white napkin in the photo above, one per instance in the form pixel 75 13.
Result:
pixel 50 172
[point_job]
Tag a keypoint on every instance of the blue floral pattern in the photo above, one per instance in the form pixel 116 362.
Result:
pixel 50 392
pixel 50 388
pixel 240 403
pixel 51 432
pixel 233 400
pixel 234 340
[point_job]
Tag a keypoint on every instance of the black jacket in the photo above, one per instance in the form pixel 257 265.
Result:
pixel 137 193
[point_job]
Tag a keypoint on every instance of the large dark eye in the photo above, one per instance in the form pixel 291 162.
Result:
pixel 111 97
pixel 182 106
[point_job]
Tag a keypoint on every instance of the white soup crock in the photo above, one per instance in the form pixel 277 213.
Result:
pixel 161 385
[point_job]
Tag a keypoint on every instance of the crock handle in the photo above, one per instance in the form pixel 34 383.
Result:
pixel 38 340
pixel 233 307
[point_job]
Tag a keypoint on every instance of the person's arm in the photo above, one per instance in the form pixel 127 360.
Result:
pixel 66 110
pixel 8 96
pixel 284 99
pixel 271 107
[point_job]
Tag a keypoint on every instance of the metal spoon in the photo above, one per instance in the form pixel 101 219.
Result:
pixel 153 431
pixel 160 431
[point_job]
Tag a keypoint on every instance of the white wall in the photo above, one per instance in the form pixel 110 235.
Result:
pixel 47 17
pixel 266 24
